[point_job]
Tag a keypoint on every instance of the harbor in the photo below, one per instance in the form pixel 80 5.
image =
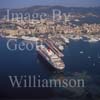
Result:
pixel 55 46
pixel 50 50
pixel 81 60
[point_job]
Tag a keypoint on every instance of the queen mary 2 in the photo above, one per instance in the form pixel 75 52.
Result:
pixel 50 57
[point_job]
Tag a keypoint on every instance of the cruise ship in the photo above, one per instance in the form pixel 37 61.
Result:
pixel 54 60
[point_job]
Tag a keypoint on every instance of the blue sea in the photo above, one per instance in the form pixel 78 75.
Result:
pixel 82 60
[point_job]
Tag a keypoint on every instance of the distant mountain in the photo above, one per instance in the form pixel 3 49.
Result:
pixel 48 10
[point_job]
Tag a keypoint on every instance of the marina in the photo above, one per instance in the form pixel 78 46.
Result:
pixel 54 46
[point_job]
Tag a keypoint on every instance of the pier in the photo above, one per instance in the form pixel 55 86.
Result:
pixel 50 44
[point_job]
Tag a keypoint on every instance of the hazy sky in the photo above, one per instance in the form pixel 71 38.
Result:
pixel 27 3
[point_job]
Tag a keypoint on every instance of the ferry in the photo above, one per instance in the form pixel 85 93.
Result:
pixel 55 61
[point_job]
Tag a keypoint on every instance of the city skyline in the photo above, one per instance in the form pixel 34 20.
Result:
pixel 67 3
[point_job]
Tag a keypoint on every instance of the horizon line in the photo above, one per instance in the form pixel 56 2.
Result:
pixel 52 6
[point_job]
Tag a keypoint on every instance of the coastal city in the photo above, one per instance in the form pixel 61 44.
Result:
pixel 66 26
pixel 54 32
pixel 50 49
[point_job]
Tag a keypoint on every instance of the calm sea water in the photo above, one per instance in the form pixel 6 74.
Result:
pixel 88 20
pixel 82 60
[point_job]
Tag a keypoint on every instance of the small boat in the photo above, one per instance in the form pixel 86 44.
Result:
pixel 76 38
pixel 81 52
pixel 76 20
pixel 93 40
